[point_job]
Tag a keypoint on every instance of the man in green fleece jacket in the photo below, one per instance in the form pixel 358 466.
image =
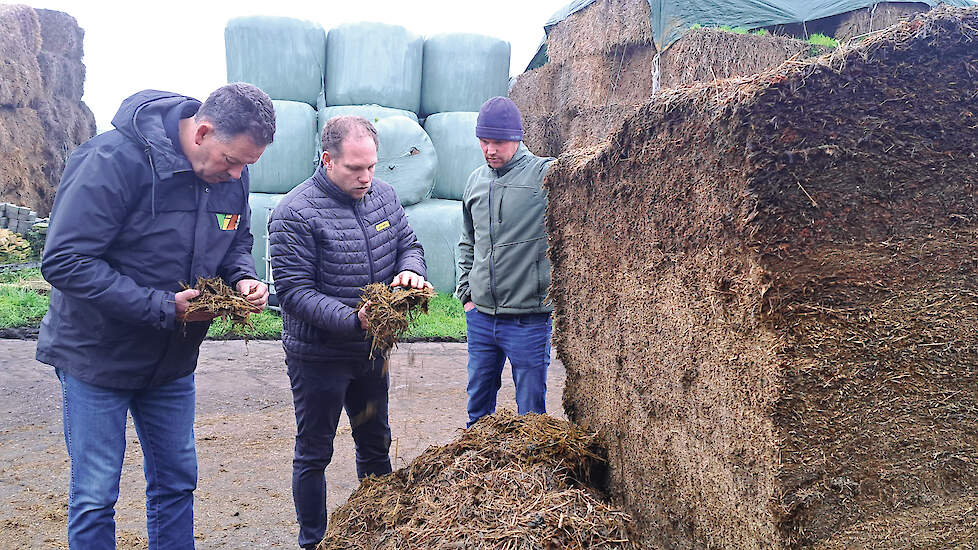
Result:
pixel 503 265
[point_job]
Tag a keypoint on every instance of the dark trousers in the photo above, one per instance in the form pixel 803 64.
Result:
pixel 320 390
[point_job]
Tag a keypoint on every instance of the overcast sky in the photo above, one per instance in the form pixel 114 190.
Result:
pixel 178 45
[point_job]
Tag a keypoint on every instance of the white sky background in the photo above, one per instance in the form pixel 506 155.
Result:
pixel 178 45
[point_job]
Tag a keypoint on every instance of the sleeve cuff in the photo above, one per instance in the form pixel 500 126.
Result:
pixel 166 304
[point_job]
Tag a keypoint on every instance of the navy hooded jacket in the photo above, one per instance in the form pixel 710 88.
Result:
pixel 130 222
pixel 325 247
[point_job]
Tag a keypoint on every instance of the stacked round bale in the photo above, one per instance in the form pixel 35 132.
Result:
pixel 286 58
pixel 779 348
pixel 390 76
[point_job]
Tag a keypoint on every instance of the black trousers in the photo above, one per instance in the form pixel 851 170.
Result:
pixel 320 390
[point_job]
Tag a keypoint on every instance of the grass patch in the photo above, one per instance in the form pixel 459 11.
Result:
pixel 17 276
pixel 20 307
pixel 445 319
pixel 819 39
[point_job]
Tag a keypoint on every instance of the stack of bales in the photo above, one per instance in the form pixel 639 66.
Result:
pixel 19 219
pixel 778 343
pixel 393 78
pixel 42 117
pixel 600 69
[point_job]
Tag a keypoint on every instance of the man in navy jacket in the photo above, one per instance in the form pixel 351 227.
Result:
pixel 161 199
pixel 334 234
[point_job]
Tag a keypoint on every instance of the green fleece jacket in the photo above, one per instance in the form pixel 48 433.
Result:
pixel 502 261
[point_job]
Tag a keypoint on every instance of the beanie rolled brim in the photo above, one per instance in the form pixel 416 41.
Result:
pixel 504 134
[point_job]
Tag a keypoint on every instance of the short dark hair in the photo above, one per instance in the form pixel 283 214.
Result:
pixel 240 108
pixel 339 128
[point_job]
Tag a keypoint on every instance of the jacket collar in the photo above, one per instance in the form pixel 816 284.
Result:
pixel 330 188
pixel 519 158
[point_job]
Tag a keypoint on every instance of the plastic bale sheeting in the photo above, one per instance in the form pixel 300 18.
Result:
pixel 261 206
pixel 461 71
pixel 459 153
pixel 406 159
pixel 373 113
pixel 374 63
pixel 291 158
pixel 438 225
pixel 284 57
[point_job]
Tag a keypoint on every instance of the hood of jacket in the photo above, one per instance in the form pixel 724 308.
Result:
pixel 141 119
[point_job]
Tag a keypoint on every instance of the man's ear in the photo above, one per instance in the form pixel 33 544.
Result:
pixel 203 129
pixel 325 158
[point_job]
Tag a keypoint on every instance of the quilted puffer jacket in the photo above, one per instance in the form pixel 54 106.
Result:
pixel 324 247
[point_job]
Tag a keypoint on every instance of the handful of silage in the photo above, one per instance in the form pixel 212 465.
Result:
pixel 390 312
pixel 219 299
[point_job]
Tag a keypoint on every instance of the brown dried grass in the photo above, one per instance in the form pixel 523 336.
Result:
pixel 513 482
pixel 220 300
pixel 779 342
pixel 389 313
pixel 600 28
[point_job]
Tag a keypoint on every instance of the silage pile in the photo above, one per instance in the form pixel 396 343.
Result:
pixel 42 116
pixel 779 341
pixel 508 482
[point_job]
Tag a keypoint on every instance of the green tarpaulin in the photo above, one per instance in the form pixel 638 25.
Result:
pixel 671 18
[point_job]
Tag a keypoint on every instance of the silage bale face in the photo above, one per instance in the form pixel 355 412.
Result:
pixel 778 344
pixel 284 57
pixel 374 63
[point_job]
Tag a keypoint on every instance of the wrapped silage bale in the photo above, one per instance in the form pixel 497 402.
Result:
pixel 284 57
pixel 261 206
pixel 291 157
pixel 459 153
pixel 461 71
pixel 374 63
pixel 373 113
pixel 406 158
pixel 438 225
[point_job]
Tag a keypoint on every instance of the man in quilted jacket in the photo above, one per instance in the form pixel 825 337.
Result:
pixel 335 233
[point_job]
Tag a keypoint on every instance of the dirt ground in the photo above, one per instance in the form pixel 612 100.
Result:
pixel 245 428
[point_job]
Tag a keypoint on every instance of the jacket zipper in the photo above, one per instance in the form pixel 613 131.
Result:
pixel 366 240
pixel 492 253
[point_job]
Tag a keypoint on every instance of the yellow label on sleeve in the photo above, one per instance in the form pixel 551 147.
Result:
pixel 382 225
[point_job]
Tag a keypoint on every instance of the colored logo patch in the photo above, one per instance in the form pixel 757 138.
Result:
pixel 382 225
pixel 228 222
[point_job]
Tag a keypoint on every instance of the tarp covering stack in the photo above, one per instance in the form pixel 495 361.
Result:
pixel 778 348
pixel 406 158
pixel 261 205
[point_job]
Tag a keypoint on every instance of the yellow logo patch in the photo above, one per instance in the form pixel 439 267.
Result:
pixel 382 225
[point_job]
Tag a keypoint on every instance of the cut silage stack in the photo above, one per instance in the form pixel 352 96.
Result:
pixel 778 343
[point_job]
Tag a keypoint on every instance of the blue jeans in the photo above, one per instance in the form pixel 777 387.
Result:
pixel 525 340
pixel 320 391
pixel 95 435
